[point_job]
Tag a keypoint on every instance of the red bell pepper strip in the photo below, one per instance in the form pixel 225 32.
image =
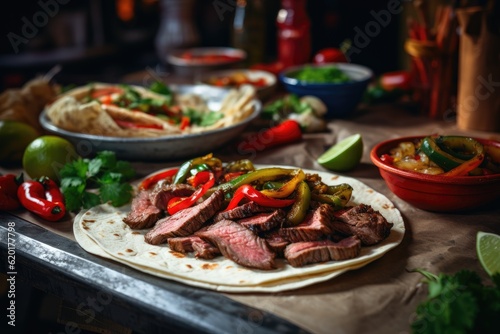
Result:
pixel 466 167
pixel 177 204
pixel 185 121
pixel 286 132
pixel 33 196
pixel 249 192
pixel 8 192
pixel 155 178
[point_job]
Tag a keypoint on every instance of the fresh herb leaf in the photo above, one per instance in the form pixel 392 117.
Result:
pixel 458 303
pixel 109 175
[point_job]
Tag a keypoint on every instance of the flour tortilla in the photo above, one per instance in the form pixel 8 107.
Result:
pixel 68 112
pixel 101 231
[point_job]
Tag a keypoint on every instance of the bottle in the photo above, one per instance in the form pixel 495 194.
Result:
pixel 249 29
pixel 294 33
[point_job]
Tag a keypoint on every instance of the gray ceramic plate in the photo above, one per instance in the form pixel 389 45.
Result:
pixel 168 148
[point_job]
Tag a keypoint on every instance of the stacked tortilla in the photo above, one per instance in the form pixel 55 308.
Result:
pixel 101 231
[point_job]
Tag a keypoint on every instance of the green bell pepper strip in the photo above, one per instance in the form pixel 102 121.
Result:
pixel 464 148
pixel 252 194
pixel 288 188
pixel 261 175
pixel 444 159
pixel 337 196
pixel 299 209
pixel 243 165
pixel 185 168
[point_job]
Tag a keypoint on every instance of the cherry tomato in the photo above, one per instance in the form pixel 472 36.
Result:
pixel 329 55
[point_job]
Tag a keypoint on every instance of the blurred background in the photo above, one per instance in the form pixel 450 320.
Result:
pixel 105 40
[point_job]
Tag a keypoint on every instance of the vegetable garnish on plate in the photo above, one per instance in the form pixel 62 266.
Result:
pixel 133 111
pixel 233 226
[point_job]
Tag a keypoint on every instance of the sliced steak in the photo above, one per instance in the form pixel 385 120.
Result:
pixel 242 211
pixel 205 250
pixel 276 242
pixel 364 222
pixel 263 221
pixel 182 244
pixel 315 226
pixel 185 222
pixel 142 214
pixel 301 253
pixel 162 193
pixel 239 244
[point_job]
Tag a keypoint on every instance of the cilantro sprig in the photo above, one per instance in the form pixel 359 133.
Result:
pixel 89 182
pixel 458 303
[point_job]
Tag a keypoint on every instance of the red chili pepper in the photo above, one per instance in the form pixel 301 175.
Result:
pixel 396 80
pixel 286 132
pixel 8 191
pixel 155 178
pixel 33 196
pixel 249 192
pixel 179 203
pixel 132 125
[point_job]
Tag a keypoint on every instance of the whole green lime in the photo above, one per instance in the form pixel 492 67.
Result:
pixel 14 138
pixel 46 155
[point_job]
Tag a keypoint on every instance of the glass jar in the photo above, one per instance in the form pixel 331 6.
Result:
pixel 249 29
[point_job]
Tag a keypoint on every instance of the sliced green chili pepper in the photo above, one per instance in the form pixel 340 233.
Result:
pixel 299 209
pixel 261 175
pixel 272 185
pixel 337 196
pixel 288 188
pixel 244 165
pixel 444 159
pixel 185 168
pixel 464 148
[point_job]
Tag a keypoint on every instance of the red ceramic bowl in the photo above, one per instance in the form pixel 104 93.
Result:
pixel 434 192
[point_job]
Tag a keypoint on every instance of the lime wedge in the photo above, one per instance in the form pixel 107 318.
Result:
pixel 488 251
pixel 344 155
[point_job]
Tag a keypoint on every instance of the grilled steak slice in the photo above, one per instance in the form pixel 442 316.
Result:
pixel 301 253
pixel 185 222
pixel 142 214
pixel 315 226
pixel 162 193
pixel 239 244
pixel 276 242
pixel 201 248
pixel 263 221
pixel 204 249
pixel 242 211
pixel 369 225
pixel 182 244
